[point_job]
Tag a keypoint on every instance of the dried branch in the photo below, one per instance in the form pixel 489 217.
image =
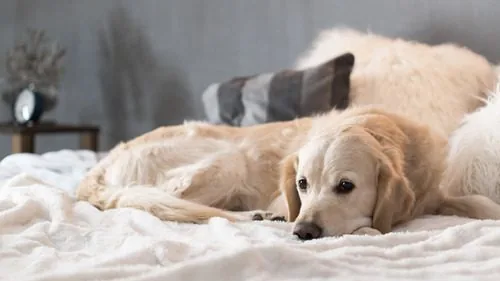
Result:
pixel 35 61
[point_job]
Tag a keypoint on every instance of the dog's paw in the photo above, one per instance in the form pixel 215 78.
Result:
pixel 263 215
pixel 367 231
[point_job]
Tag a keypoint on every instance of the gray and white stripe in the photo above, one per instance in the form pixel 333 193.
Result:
pixel 279 96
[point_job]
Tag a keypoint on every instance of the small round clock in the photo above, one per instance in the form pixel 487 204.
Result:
pixel 28 107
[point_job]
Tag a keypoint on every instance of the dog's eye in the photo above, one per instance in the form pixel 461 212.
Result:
pixel 344 186
pixel 302 184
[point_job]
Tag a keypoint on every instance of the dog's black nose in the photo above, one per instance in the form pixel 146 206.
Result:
pixel 307 231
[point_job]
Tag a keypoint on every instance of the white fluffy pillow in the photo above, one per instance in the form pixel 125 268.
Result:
pixel 474 155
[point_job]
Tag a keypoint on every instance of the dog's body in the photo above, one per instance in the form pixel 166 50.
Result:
pixel 195 171
pixel 223 167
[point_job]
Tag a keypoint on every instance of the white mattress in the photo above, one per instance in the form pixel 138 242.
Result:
pixel 46 235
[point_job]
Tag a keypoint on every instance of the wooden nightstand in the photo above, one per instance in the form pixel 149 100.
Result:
pixel 23 137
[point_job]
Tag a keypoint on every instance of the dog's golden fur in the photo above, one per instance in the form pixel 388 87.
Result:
pixel 195 171
pixel 177 172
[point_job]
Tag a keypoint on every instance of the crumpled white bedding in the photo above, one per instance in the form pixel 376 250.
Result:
pixel 46 235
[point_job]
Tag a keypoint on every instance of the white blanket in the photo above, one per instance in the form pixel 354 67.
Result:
pixel 46 235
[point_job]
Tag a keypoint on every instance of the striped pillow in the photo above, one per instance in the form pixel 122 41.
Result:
pixel 280 96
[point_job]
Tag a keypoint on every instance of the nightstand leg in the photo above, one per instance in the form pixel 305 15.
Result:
pixel 89 141
pixel 23 143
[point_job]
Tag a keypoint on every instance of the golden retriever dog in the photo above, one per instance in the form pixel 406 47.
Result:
pixel 435 84
pixel 360 171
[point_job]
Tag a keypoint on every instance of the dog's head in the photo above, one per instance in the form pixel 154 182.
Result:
pixel 341 181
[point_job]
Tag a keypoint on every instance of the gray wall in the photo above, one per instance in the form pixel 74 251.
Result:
pixel 134 65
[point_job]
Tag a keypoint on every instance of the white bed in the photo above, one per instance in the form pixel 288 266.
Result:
pixel 46 235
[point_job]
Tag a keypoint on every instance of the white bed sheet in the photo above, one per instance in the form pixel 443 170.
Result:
pixel 46 235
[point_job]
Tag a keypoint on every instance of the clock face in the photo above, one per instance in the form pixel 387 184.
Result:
pixel 24 106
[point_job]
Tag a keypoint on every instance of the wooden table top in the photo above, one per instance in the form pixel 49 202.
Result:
pixel 48 127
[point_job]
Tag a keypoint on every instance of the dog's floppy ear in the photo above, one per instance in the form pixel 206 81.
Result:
pixel 395 199
pixel 288 187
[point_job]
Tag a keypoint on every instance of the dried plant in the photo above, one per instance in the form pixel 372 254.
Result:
pixel 36 62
